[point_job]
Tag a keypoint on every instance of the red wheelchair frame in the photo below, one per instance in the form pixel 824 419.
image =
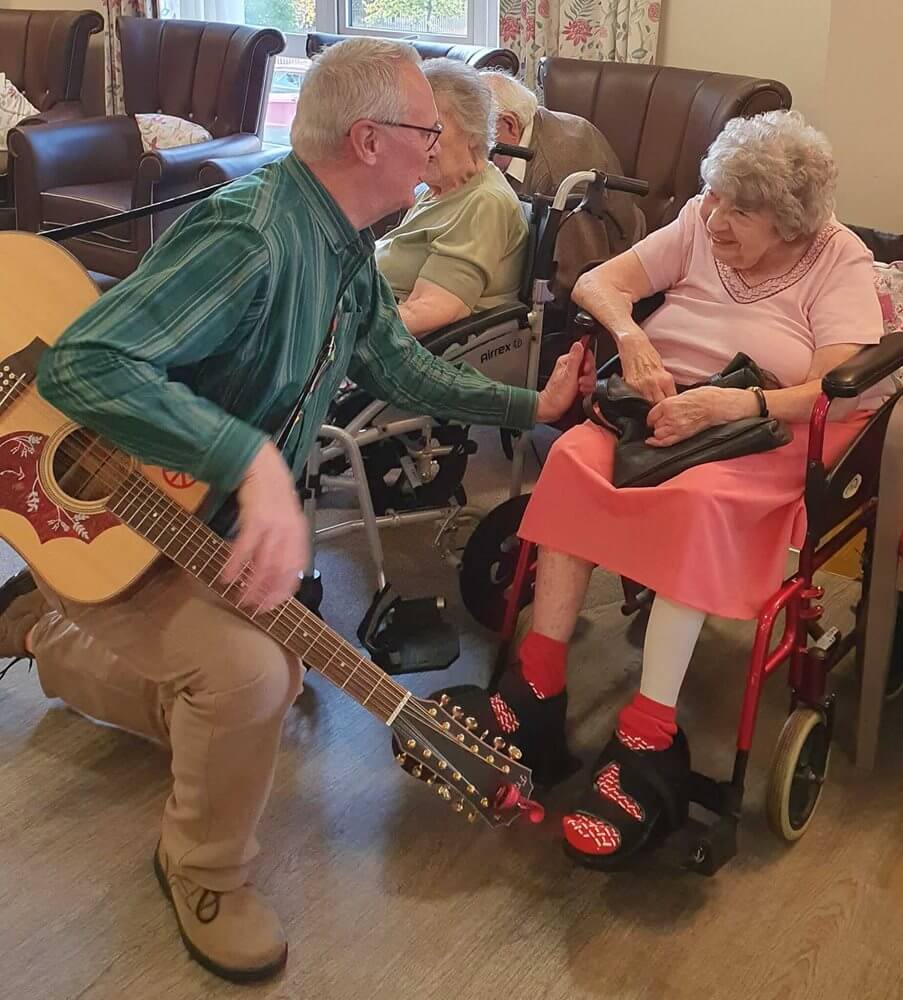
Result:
pixel 845 496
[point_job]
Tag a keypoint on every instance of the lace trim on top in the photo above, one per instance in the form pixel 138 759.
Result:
pixel 741 292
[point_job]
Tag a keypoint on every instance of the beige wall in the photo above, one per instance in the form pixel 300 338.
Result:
pixel 837 57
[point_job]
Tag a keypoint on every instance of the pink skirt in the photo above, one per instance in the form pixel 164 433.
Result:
pixel 714 537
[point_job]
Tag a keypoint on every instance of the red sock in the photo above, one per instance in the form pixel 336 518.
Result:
pixel 543 664
pixel 645 724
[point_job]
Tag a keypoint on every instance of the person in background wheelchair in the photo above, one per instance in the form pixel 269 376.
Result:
pixel 758 264
pixel 563 144
pixel 461 247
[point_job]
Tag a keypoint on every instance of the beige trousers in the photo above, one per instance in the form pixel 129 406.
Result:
pixel 174 663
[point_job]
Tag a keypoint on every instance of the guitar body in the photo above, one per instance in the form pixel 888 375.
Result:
pixel 82 551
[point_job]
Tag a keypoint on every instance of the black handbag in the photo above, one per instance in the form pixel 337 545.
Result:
pixel 614 405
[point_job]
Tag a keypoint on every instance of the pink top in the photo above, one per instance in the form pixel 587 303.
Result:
pixel 710 313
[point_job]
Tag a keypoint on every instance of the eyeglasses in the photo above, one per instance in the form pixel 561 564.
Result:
pixel 433 131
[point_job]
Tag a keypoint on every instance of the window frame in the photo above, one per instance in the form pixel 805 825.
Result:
pixel 331 18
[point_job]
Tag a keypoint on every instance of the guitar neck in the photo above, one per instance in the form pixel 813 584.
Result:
pixel 191 544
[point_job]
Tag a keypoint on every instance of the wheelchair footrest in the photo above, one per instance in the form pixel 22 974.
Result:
pixel 408 635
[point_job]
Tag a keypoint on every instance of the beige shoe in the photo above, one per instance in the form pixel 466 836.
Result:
pixel 235 935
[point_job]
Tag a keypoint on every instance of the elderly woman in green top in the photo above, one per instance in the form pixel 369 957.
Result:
pixel 461 247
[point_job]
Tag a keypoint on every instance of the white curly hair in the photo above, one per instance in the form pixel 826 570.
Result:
pixel 777 162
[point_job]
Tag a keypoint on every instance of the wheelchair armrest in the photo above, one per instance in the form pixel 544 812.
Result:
pixel 869 366
pixel 439 341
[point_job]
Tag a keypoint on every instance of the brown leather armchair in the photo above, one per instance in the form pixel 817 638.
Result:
pixel 43 53
pixel 212 74
pixel 478 56
pixel 659 119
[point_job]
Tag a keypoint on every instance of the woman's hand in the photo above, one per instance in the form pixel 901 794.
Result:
pixel 642 368
pixel 680 417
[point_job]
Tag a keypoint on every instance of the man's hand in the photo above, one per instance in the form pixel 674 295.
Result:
pixel 574 372
pixel 680 417
pixel 273 538
pixel 642 368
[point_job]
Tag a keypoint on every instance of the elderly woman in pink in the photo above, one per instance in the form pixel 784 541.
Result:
pixel 756 263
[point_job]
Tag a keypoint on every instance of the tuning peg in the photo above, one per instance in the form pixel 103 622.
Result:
pixel 427 753
pixel 513 752
pixel 489 758
pixel 443 793
pixel 498 743
pixel 444 700
pixel 410 744
pixel 470 722
pixel 401 758
pixel 457 711
pixel 458 806
pixel 471 816
pixel 484 734
pixel 417 771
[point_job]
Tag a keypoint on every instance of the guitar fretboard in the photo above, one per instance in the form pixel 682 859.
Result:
pixel 189 543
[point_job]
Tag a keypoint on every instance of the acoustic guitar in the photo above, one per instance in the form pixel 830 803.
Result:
pixel 91 520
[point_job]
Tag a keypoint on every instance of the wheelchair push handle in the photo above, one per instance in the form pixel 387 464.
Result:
pixel 630 185
pixel 515 152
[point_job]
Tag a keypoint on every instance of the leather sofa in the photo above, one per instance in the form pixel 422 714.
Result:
pixel 216 75
pixel 42 52
pixel 478 56
pixel 659 119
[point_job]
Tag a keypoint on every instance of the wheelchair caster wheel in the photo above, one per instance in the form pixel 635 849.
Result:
pixel 798 771
pixel 489 561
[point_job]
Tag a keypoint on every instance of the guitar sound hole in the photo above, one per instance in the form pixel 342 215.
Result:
pixel 86 468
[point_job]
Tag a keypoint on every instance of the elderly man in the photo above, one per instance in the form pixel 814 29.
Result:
pixel 257 301
pixel 563 144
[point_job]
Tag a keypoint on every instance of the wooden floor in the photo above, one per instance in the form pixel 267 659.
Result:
pixel 387 895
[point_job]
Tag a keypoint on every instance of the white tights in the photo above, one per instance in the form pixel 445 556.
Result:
pixel 671 636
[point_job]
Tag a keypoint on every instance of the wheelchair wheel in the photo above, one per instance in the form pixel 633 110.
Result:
pixel 798 772
pixel 489 561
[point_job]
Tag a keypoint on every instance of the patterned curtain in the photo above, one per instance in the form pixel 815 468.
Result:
pixel 613 30
pixel 113 10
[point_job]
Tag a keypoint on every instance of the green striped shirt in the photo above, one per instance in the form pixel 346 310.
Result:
pixel 201 354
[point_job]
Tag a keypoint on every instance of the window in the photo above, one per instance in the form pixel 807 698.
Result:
pixel 453 21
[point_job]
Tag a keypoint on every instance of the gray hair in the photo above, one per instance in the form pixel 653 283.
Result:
pixel 775 161
pixel 353 79
pixel 469 100
pixel 511 95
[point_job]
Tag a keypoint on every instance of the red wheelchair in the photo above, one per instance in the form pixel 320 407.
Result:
pixel 840 503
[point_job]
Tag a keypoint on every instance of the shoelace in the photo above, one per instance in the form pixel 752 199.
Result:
pixel 12 663
pixel 206 909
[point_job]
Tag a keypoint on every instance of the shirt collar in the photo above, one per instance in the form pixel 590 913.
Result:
pixel 517 168
pixel 333 221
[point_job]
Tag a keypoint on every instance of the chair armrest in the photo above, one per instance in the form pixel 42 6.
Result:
pixel 81 151
pixel 62 111
pixel 440 340
pixel 864 370
pixel 227 168
pixel 178 167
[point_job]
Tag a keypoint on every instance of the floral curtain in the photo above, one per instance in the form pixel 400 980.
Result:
pixel 613 30
pixel 112 11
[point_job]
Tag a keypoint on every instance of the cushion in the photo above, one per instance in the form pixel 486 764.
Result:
pixel 167 131
pixel 14 108
pixel 889 282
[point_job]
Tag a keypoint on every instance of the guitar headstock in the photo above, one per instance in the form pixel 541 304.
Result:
pixel 448 751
